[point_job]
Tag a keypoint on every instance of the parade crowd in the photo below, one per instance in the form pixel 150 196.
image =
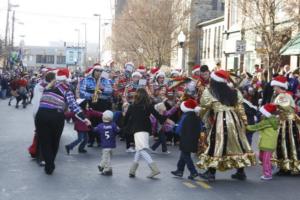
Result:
pixel 212 114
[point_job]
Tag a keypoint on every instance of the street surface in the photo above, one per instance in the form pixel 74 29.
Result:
pixel 77 178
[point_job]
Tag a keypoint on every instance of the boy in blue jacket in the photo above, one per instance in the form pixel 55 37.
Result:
pixel 107 131
pixel 188 128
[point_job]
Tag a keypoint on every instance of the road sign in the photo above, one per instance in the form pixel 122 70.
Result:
pixel 240 47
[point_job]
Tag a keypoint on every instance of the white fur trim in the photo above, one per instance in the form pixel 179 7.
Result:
pixel 98 67
pixel 195 70
pixel 279 84
pixel 137 74
pixel 217 78
pixel 197 109
pixel 184 108
pixel 61 78
pixel 265 112
pixel 175 72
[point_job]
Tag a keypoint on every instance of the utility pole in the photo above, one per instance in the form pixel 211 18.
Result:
pixel 85 46
pixel 6 35
pixel 12 38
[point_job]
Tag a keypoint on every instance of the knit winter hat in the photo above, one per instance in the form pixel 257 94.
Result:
pixel 220 76
pixel 280 81
pixel 268 109
pixel 188 105
pixel 160 74
pixel 107 116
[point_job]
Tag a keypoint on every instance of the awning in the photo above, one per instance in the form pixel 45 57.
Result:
pixel 292 47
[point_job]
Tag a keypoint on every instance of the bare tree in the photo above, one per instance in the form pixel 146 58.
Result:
pixel 145 30
pixel 273 21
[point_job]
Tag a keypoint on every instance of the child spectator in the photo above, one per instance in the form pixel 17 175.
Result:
pixel 81 128
pixel 188 128
pixel 267 128
pixel 107 131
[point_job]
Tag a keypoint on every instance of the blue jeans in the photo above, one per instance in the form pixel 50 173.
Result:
pixel 185 159
pixel 3 93
pixel 162 139
pixel 82 139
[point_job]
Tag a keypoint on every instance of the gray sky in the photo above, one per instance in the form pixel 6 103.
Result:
pixel 55 20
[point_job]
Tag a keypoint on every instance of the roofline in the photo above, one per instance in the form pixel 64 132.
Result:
pixel 212 21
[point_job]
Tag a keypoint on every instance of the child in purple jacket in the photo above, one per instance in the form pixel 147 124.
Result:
pixel 81 128
pixel 107 131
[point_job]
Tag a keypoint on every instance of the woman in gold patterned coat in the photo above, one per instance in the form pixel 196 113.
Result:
pixel 287 156
pixel 228 147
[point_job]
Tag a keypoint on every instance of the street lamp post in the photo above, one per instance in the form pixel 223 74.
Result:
pixel 9 7
pixel 85 45
pixel 78 41
pixel 99 43
pixel 181 40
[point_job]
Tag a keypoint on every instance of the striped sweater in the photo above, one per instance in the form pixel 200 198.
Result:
pixel 58 98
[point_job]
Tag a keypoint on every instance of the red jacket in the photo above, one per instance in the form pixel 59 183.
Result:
pixel 79 125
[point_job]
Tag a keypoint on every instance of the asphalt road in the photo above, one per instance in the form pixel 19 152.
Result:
pixel 77 178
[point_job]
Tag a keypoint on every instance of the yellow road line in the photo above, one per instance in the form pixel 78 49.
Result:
pixel 189 185
pixel 203 184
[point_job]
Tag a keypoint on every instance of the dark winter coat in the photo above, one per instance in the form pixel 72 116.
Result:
pixel 137 118
pixel 189 132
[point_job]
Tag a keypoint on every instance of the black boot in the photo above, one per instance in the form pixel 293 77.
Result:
pixel 107 173
pixel 281 172
pixel 239 175
pixel 209 175
pixel 177 173
pixel 100 168
pixel 49 169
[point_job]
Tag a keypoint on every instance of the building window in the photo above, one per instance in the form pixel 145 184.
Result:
pixel 45 59
pixel 204 44
pixel 49 59
pixel 233 12
pixel 208 43
pixel 222 6
pixel 215 42
pixel 219 42
pixel 61 60
pixel 214 4
pixel 71 56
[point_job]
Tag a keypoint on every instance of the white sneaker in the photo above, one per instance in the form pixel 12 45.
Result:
pixel 265 178
pixel 130 150
pixel 166 152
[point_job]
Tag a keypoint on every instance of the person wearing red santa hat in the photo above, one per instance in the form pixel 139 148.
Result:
pixel 50 118
pixel 228 147
pixel 267 129
pixel 188 129
pixel 287 154
pixel 97 90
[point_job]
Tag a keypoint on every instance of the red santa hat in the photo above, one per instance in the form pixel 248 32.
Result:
pixel 154 70
pixel 62 74
pixel 188 105
pixel 97 66
pixel 136 73
pixel 280 81
pixel 141 69
pixel 88 71
pixel 268 109
pixel 196 68
pixel 220 76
